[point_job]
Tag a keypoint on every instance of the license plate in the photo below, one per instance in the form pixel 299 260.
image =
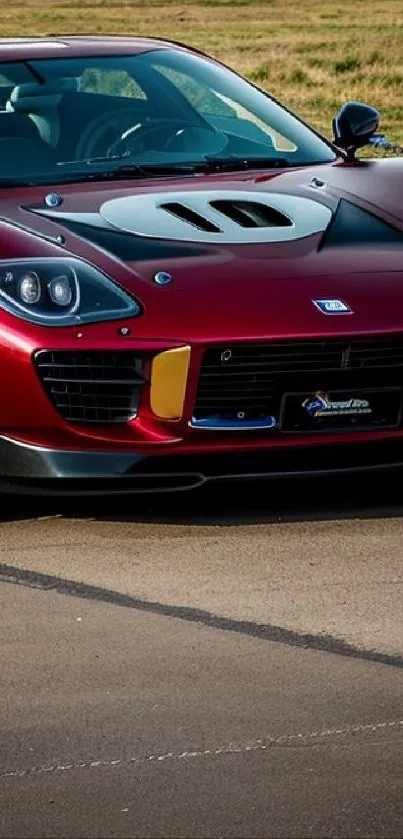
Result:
pixel 340 409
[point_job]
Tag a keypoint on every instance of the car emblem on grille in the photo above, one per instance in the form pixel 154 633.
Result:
pixel 226 355
pixel 333 307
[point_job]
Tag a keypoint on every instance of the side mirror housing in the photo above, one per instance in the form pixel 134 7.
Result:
pixel 353 127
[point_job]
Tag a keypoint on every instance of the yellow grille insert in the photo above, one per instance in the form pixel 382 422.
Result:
pixel 169 372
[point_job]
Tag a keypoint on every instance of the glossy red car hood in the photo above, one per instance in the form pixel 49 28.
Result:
pixel 231 290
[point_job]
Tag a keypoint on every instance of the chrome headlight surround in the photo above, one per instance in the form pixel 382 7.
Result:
pixel 62 291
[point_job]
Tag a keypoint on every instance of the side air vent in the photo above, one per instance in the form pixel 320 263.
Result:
pixel 251 214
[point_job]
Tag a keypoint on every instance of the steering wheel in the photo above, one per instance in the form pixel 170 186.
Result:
pixel 166 134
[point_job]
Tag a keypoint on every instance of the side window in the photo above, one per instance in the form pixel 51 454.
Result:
pixel 215 105
pixel 203 99
pixel 110 83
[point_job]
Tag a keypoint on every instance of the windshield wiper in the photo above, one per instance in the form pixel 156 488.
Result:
pixel 133 170
pixel 88 161
pixel 235 164
pixel 149 170
pixel 168 170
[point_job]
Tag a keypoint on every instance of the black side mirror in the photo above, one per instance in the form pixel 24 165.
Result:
pixel 354 126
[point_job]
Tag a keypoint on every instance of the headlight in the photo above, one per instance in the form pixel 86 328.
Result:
pixel 61 292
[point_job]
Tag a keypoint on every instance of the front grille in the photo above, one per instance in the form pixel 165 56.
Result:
pixel 92 387
pixel 250 379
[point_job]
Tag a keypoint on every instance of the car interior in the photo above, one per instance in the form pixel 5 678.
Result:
pixel 53 125
pixel 44 123
pixel 103 111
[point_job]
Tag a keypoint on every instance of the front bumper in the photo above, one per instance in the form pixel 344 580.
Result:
pixel 38 470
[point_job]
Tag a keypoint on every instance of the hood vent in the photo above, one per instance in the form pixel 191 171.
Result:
pixel 207 216
pixel 252 214
pixel 219 216
pixel 243 213
pixel 186 214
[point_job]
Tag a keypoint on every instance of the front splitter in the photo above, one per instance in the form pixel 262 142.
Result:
pixel 30 469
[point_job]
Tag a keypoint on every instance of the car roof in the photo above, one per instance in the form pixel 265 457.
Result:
pixel 14 49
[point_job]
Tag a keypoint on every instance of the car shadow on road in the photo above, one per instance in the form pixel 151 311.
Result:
pixel 320 499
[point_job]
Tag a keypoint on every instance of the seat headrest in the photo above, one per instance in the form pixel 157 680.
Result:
pixel 34 97
pixel 40 102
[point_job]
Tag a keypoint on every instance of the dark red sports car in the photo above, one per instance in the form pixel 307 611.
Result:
pixel 194 285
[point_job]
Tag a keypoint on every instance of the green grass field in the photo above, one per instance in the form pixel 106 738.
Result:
pixel 311 54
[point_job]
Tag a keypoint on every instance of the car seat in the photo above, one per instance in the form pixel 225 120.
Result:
pixel 40 102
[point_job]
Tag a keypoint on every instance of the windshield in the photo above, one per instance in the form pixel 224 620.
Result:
pixel 64 119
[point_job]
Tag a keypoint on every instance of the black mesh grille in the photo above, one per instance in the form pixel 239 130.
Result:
pixel 92 387
pixel 252 378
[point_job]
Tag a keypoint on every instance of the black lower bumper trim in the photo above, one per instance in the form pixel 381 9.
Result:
pixel 37 470
pixel 31 469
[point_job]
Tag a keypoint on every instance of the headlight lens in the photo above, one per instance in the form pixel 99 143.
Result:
pixel 61 292
pixel 29 288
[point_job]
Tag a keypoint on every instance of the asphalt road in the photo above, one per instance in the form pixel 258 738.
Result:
pixel 228 664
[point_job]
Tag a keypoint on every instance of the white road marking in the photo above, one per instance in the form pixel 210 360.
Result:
pixel 230 748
